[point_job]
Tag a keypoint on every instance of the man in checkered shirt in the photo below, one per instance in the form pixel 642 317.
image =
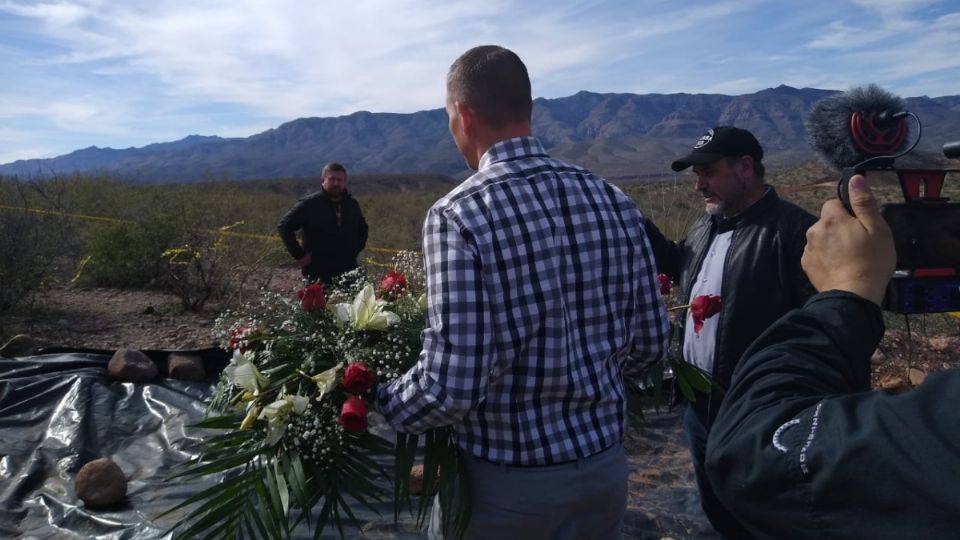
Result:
pixel 542 296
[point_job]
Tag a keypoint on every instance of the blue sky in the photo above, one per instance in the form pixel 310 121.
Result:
pixel 114 73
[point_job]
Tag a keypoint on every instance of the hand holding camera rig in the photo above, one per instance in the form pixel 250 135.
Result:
pixel 865 130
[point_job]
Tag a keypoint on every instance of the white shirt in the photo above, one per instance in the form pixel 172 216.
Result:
pixel 698 349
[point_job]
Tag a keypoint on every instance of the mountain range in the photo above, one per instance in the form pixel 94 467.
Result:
pixel 621 136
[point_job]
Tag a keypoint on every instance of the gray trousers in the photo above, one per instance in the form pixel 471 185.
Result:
pixel 585 499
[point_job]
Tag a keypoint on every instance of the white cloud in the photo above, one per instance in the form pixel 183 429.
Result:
pixel 57 15
pixel 119 73
pixel 745 85
pixel 893 8
pixel 838 35
pixel 14 147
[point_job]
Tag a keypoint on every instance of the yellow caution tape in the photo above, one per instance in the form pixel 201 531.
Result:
pixel 271 238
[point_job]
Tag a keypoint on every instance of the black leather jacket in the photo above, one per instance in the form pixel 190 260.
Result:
pixel 762 277
pixel 333 242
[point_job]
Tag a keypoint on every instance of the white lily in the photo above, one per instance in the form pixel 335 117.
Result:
pixel 241 372
pixel 366 312
pixel 249 419
pixel 277 412
pixel 326 381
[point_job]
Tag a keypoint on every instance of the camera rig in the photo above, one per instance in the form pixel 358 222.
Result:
pixel 925 226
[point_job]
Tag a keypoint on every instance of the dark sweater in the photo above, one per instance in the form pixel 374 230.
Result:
pixel 334 233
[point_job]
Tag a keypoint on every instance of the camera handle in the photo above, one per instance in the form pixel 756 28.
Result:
pixel 873 164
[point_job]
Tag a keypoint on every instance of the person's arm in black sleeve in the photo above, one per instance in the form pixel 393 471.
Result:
pixel 364 231
pixel 666 252
pixel 800 447
pixel 289 224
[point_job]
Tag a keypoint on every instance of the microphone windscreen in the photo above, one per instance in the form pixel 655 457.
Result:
pixel 828 124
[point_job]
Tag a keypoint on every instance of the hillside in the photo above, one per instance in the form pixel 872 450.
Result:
pixel 625 137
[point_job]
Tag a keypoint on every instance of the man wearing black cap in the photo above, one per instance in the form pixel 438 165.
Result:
pixel 745 249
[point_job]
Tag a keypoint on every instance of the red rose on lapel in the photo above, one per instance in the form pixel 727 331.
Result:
pixel 702 308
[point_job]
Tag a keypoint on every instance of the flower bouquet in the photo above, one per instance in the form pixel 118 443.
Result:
pixel 301 439
pixel 688 377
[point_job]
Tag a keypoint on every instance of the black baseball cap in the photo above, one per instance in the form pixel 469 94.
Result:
pixel 721 142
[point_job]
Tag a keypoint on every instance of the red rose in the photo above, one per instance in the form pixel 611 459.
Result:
pixel 703 307
pixel 311 297
pixel 353 415
pixel 664 281
pixel 239 341
pixel 357 378
pixel 393 284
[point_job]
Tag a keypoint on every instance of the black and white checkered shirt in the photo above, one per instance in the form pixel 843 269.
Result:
pixel 542 289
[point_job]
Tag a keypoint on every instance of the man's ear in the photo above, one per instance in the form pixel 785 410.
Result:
pixel 467 118
pixel 745 166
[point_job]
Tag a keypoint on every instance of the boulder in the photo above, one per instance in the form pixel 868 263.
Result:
pixel 101 484
pixel 19 345
pixel 916 376
pixel 894 383
pixel 186 367
pixel 131 365
pixel 944 343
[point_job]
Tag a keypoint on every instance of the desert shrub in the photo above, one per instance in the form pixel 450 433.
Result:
pixel 127 254
pixel 23 265
pixel 215 265
pixel 396 219
pixel 673 206
pixel 35 244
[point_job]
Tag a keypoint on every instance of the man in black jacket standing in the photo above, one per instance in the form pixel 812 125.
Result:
pixel 801 448
pixel 745 249
pixel 334 230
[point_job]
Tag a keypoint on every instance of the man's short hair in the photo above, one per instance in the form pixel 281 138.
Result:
pixel 493 82
pixel 758 168
pixel 332 166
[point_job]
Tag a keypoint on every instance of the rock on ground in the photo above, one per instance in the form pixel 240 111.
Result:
pixel 101 484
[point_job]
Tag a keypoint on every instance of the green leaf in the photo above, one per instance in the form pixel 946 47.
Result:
pixel 229 421
pixel 692 375
pixel 405 454
pixel 685 389
pixel 298 483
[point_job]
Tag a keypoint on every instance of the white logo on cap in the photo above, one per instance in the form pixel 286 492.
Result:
pixel 705 140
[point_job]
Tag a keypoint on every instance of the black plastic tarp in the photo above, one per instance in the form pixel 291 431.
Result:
pixel 60 410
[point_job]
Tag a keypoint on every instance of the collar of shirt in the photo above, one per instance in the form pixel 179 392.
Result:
pixel 506 150
pixel 728 224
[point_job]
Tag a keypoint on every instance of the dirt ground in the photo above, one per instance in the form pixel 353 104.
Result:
pixel 100 318
pixel 105 318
